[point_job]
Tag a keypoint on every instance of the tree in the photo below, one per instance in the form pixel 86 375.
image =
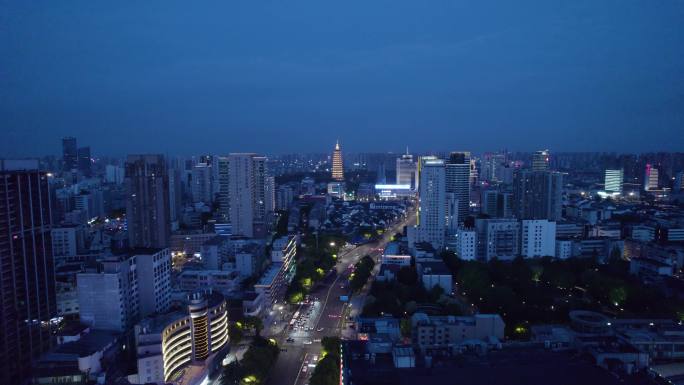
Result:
pixel 235 333
pixel 405 327
pixel 407 275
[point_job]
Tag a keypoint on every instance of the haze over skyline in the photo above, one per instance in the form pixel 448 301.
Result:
pixel 284 77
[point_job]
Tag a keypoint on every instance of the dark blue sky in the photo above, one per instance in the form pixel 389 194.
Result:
pixel 292 76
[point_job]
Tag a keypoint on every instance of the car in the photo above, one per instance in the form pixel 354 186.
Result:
pixel 304 369
pixel 319 329
pixel 283 349
pixel 289 339
pixel 315 358
pixel 307 342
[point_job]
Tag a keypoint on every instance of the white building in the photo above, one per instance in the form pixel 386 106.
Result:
pixel 466 244
pixel 563 248
pixel 66 242
pixel 538 238
pixel 613 181
pixel 108 296
pixel 650 178
pixel 154 280
pixel 435 274
pixel 407 173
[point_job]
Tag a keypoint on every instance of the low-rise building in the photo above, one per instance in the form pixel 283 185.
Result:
pixel 435 274
pixel 435 335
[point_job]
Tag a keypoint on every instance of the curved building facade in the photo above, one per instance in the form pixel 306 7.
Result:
pixel 167 343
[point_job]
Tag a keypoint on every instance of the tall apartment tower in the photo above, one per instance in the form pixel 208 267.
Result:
pixel 337 164
pixel 250 194
pixel 147 206
pixel 650 178
pixel 406 171
pixel 201 183
pixel 224 188
pixel 458 181
pixel 431 226
pixel 540 160
pixel 613 181
pixel 69 153
pixel 538 195
pixel 27 277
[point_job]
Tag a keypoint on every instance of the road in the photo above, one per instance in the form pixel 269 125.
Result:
pixel 330 319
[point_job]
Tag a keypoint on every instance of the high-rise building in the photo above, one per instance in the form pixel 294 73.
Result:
pixel 27 277
pixel 458 181
pixel 650 178
pixel 337 164
pixel 540 160
pixel 251 194
pixel 407 173
pixel 201 183
pixel 224 188
pixel 147 207
pixel 69 153
pixel 431 225
pixel 613 181
pixel 538 195
pixel 538 238
pixel 84 162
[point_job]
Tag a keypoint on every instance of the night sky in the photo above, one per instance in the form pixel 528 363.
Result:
pixel 281 76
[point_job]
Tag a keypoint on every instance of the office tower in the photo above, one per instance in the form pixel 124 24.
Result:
pixel 613 181
pixel 496 204
pixel 147 206
pixel 224 188
pixel 540 160
pixel 108 295
pixel 650 178
pixel 154 280
pixel 407 173
pixel 497 238
pixel 458 181
pixel 538 238
pixel 84 162
pixel 201 183
pixel 337 164
pixel 69 153
pixel 432 211
pixel 27 277
pixel 250 195
pixel 538 195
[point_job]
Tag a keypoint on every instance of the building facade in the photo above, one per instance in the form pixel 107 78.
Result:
pixel 147 207
pixel 27 279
